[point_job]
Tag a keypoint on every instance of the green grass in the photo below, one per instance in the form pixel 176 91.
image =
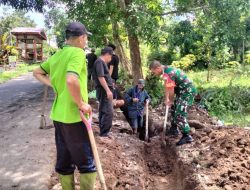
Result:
pixel 18 71
pixel 229 100
pixel 221 78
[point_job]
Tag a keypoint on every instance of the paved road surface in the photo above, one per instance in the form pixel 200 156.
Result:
pixel 26 152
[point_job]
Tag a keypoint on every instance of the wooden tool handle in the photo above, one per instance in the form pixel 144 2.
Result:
pixel 165 123
pixel 146 135
pixel 87 122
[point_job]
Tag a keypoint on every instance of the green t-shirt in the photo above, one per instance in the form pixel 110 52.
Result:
pixel 67 60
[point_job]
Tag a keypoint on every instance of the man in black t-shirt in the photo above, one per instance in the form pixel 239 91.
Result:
pixel 104 89
pixel 91 58
pixel 114 64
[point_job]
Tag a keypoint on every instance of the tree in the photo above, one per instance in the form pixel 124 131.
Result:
pixel 25 5
pixel 183 36
pixel 13 20
pixel 56 21
pixel 221 23
pixel 138 19
pixel 120 49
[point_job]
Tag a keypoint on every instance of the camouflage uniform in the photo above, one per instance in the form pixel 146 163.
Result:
pixel 184 96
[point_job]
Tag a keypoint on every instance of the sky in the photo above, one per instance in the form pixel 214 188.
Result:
pixel 37 17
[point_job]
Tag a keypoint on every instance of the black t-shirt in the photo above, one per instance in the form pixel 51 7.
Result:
pixel 115 62
pixel 100 69
pixel 91 57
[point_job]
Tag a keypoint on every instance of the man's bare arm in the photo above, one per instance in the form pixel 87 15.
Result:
pixel 169 96
pixel 111 68
pixel 103 83
pixel 105 86
pixel 74 88
pixel 75 91
pixel 41 75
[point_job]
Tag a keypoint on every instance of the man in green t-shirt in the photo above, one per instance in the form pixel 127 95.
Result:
pixel 179 93
pixel 66 73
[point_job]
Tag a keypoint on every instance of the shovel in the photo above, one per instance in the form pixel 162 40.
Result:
pixel 146 135
pixel 165 125
pixel 88 122
pixel 43 119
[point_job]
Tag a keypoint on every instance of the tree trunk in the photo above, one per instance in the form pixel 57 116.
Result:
pixel 126 65
pixel 243 53
pixel 135 55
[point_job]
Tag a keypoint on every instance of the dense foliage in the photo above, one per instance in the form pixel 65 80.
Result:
pixel 11 20
pixel 189 34
pixel 25 5
pixel 154 87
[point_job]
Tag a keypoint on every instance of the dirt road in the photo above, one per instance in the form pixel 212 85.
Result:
pixel 27 152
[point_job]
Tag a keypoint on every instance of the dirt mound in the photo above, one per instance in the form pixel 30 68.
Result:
pixel 218 159
pixel 223 158
pixel 219 156
pixel 132 164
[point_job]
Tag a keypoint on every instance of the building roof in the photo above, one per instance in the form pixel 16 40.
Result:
pixel 31 31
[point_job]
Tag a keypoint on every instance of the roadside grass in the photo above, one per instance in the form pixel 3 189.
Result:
pixel 18 71
pixel 226 94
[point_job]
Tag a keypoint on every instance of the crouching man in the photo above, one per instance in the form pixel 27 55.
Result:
pixel 179 93
pixel 136 98
pixel 67 71
pixel 118 101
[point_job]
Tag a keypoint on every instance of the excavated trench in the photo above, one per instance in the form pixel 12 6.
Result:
pixel 219 158
pixel 132 164
pixel 163 165
pixel 141 165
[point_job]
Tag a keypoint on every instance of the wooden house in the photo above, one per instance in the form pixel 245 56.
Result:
pixel 29 43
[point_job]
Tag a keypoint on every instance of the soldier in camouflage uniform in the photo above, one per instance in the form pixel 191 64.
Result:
pixel 179 93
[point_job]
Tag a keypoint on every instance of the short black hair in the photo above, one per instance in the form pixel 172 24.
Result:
pixel 112 46
pixel 107 50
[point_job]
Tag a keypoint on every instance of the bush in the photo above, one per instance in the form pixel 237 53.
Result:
pixel 231 64
pixel 185 63
pixel 247 58
pixel 155 89
pixel 228 99
pixel 125 81
pixel 166 58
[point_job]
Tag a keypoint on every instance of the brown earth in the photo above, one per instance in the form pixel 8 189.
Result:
pixel 218 159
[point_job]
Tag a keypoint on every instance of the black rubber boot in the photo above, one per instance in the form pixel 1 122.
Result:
pixel 186 138
pixel 173 131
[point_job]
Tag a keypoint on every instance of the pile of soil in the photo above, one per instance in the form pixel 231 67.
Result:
pixel 222 158
pixel 218 158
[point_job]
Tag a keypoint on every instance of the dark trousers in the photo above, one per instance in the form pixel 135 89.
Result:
pixel 137 122
pixel 105 111
pixel 124 109
pixel 73 148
